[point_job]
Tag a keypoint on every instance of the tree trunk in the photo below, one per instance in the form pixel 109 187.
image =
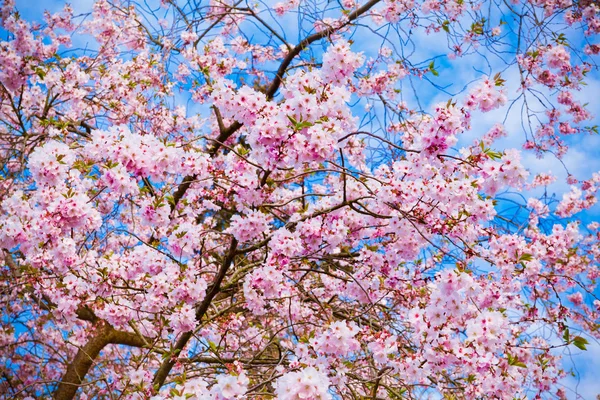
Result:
pixel 78 368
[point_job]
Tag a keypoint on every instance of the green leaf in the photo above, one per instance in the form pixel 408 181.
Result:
pixel 40 72
pixel 566 335
pixel 292 120
pixel 299 125
pixel 498 81
pixel 514 361
pixel 477 28
pixel 526 257
pixel 494 155
pixel 303 124
pixel 580 342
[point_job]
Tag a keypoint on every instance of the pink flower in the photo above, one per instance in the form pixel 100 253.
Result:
pixel 309 383
pixel 188 37
pixel 230 386
pixel 558 57
pixel 338 339
pixel 50 163
pixel 249 227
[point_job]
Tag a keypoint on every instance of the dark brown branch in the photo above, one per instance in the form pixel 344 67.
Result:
pixel 169 362
pixel 307 42
pixel 81 364
pixel 129 339
pixel 223 136
pixel 77 369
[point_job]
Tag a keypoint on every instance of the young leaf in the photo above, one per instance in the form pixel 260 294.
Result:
pixel 580 342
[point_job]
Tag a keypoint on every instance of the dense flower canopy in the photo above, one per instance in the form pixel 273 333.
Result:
pixel 240 200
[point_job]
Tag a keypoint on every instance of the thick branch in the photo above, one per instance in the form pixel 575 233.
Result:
pixel 169 362
pixel 129 339
pixel 79 367
pixel 307 42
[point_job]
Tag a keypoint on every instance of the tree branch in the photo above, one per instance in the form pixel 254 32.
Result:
pixel 81 364
pixel 161 374
pixel 308 41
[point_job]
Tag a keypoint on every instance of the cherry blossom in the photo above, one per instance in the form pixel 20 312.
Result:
pixel 293 201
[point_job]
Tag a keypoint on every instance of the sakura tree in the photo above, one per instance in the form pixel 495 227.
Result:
pixel 248 200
